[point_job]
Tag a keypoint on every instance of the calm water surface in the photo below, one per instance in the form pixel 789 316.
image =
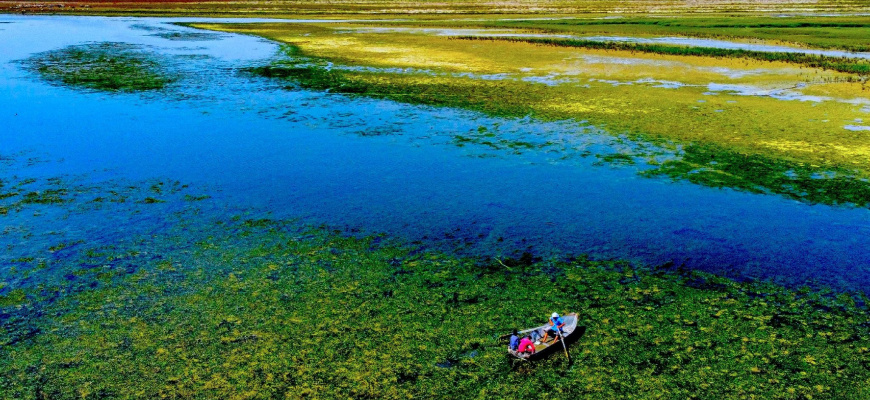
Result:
pixel 378 166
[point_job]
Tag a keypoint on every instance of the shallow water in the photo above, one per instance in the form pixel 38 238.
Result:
pixel 436 176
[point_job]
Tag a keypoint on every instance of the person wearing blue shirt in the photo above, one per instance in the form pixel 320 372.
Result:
pixel 555 328
pixel 515 341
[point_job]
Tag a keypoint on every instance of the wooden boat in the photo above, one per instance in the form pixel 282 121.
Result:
pixel 570 333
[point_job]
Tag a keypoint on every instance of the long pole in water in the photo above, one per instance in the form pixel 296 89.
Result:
pixel 564 346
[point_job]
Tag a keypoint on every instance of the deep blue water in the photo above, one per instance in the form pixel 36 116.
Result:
pixel 379 166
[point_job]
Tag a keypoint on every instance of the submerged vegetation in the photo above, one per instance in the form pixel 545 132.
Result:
pixel 250 307
pixel 706 164
pixel 699 100
pixel 101 66
pixel 186 36
pixel 715 167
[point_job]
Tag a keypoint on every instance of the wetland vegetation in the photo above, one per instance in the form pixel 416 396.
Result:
pixel 261 308
pixel 101 66
pixel 448 8
pixel 615 86
pixel 846 32
pixel 237 304
pixel 860 67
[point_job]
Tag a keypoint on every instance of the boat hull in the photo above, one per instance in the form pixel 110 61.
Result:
pixel 571 333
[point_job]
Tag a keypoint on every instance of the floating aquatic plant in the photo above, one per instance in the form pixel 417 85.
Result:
pixel 101 66
pixel 187 36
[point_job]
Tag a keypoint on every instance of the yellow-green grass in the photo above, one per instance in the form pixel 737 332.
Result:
pixel 398 49
pixel 804 132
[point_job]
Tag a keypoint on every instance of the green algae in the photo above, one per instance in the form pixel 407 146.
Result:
pixel 29 191
pixel 462 93
pixel 716 167
pixel 13 298
pixel 201 197
pixel 254 307
pixel 283 312
pixel 101 66
pixel 50 196
pixel 187 36
pixel 152 200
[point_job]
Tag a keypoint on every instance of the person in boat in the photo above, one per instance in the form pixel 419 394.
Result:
pixel 526 347
pixel 515 341
pixel 556 324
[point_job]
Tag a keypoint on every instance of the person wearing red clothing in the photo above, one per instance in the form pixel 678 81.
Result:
pixel 527 347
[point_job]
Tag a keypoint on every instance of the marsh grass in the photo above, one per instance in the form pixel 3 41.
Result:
pixel 841 64
pixel 828 32
pixel 113 67
pixel 839 32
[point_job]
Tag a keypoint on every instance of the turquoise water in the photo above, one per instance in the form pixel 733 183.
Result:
pixel 429 176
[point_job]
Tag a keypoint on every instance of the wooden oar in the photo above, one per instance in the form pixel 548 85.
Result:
pixel 564 346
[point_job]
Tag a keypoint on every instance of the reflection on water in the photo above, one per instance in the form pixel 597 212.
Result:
pixel 448 179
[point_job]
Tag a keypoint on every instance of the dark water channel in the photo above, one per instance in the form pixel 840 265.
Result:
pixel 378 166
